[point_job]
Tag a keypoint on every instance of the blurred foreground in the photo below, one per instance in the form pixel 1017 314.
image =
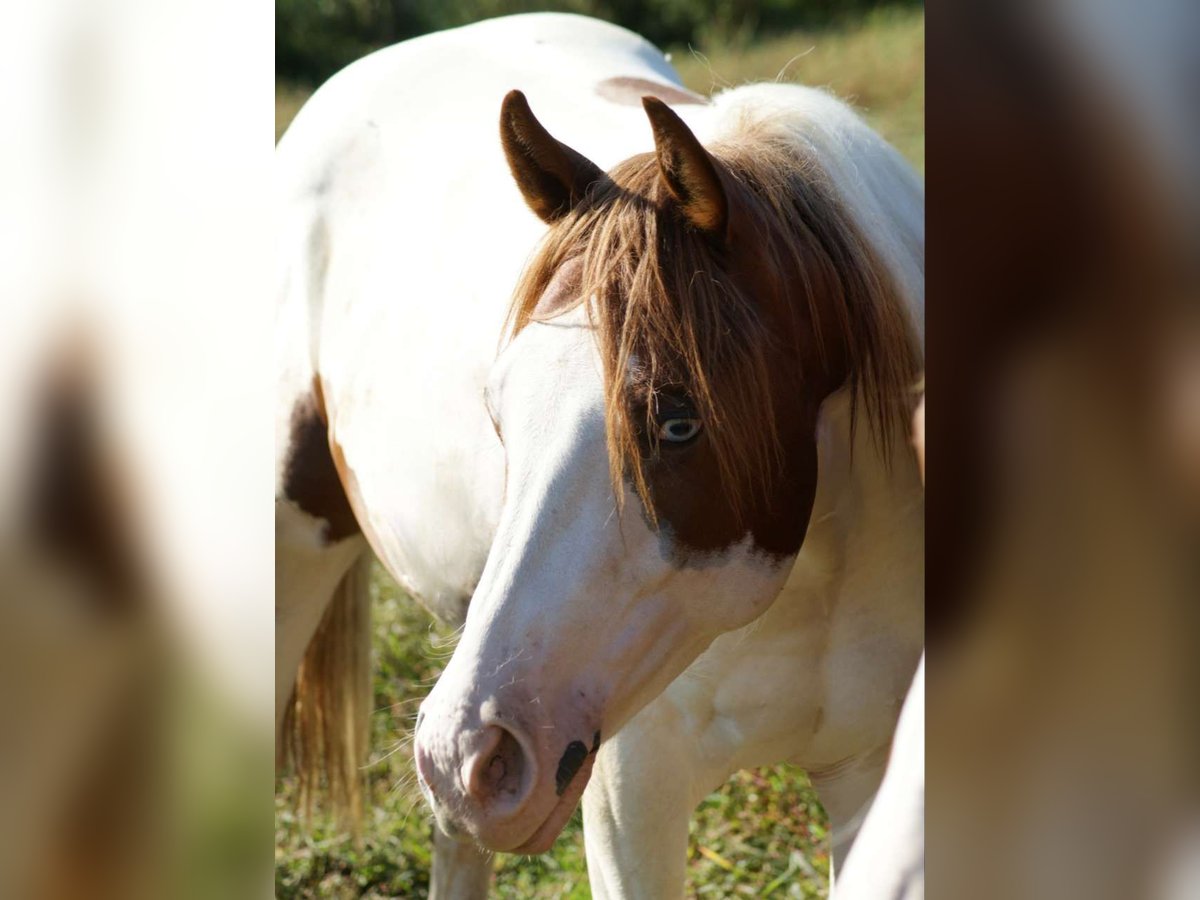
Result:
pixel 135 450
pixel 1064 435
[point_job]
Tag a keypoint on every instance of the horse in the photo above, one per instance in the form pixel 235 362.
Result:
pixel 888 858
pixel 629 403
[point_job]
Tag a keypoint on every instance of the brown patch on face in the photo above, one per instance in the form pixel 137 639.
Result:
pixel 694 509
pixel 312 480
pixel 685 481
pixel 630 91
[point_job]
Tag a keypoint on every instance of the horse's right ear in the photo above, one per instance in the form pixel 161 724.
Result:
pixel 552 177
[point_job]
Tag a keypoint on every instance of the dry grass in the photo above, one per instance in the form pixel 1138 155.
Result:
pixel 877 64
pixel 288 100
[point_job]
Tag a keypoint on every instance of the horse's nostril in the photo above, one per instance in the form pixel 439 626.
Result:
pixel 424 765
pixel 497 768
pixel 495 773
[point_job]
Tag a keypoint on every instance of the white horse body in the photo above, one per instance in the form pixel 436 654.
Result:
pixel 411 241
pixel 402 239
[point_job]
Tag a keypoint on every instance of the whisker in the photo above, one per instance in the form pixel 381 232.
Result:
pixel 402 745
pixel 391 706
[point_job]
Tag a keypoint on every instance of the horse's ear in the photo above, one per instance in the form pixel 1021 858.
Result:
pixel 552 177
pixel 689 171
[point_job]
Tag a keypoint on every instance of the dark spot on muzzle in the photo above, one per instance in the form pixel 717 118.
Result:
pixel 572 760
pixel 568 766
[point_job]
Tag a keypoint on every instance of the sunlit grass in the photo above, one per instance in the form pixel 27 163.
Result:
pixel 288 100
pixel 877 64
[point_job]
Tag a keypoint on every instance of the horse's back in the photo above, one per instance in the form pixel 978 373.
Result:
pixel 402 237
pixel 442 79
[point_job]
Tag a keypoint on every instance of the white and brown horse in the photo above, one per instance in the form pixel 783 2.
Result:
pixel 678 500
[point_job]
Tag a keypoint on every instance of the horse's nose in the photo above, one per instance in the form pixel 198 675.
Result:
pixel 497 774
pixel 483 776
pixel 424 763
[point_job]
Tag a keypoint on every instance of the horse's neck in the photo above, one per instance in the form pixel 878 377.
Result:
pixel 816 678
pixel 866 517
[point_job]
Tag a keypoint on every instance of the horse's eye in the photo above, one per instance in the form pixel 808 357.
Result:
pixel 678 431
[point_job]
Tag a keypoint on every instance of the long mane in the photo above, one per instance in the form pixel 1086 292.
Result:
pixel 666 311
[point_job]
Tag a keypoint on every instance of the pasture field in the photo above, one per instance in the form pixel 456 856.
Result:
pixel 763 834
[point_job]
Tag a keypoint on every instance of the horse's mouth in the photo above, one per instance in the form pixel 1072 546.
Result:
pixel 547 833
pixel 542 837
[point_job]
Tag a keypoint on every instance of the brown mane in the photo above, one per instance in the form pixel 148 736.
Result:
pixel 669 309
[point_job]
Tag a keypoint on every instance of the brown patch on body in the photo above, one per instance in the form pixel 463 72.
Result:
pixel 630 91
pixel 311 480
pixel 349 486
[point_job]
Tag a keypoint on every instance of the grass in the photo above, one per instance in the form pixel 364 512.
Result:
pixel 876 63
pixel 288 100
pixel 763 834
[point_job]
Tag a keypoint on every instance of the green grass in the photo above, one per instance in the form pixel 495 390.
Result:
pixel 763 834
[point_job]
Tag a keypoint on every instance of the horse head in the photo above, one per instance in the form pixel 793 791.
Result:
pixel 670 346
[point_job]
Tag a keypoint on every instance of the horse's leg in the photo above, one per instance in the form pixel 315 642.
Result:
pixel 846 792
pixel 646 782
pixel 459 871
pixel 888 859
pixel 307 573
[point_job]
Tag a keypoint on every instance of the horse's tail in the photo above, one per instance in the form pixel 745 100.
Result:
pixel 325 729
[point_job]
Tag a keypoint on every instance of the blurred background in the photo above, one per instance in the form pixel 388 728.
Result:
pixel 315 38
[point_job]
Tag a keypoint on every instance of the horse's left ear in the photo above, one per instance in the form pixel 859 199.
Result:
pixel 689 171
pixel 552 177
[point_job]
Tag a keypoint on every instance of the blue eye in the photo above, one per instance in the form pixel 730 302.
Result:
pixel 678 431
